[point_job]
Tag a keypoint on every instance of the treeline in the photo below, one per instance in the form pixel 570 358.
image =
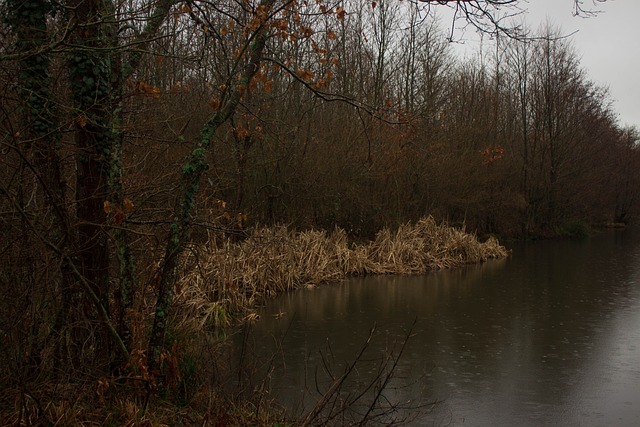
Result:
pixel 131 130
pixel 372 120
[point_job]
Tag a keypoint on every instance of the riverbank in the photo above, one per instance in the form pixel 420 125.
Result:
pixel 224 280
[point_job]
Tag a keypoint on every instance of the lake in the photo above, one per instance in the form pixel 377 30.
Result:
pixel 549 336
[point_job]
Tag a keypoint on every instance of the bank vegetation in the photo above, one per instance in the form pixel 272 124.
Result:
pixel 225 279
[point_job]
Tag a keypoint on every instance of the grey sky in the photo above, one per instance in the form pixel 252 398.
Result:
pixel 607 44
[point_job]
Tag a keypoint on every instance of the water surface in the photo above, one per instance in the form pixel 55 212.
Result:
pixel 550 336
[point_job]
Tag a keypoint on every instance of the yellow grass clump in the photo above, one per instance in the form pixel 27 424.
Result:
pixel 224 280
pixel 424 246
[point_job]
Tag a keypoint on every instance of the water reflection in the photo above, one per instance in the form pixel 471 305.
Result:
pixel 550 336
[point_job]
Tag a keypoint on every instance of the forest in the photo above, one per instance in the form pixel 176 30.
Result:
pixel 134 133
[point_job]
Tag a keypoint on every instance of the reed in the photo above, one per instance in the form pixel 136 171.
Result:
pixel 221 284
pixel 225 280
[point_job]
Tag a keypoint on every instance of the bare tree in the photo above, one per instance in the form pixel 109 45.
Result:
pixel 67 130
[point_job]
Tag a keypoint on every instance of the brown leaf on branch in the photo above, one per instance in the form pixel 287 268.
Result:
pixel 82 120
pixel 306 31
pixel 128 205
pixel 241 133
pixel 118 216
pixel 305 75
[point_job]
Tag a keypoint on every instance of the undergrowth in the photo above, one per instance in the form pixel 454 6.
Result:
pixel 222 282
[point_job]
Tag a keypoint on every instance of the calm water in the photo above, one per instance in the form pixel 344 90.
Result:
pixel 548 337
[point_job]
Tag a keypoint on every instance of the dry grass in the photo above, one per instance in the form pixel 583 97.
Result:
pixel 80 406
pixel 224 280
pixel 425 246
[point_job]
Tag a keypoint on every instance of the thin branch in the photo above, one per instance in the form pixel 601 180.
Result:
pixel 337 384
pixel 102 312
pixel 330 96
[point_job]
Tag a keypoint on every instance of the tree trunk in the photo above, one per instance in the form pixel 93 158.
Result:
pixel 191 177
pixel 90 77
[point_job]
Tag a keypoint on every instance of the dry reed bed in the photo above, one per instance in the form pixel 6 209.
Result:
pixel 231 277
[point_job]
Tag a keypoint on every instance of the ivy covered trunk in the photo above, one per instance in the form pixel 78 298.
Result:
pixel 42 133
pixel 192 175
pixel 89 78
pixel 41 137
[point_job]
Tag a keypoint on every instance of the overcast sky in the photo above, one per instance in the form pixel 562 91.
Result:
pixel 608 45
